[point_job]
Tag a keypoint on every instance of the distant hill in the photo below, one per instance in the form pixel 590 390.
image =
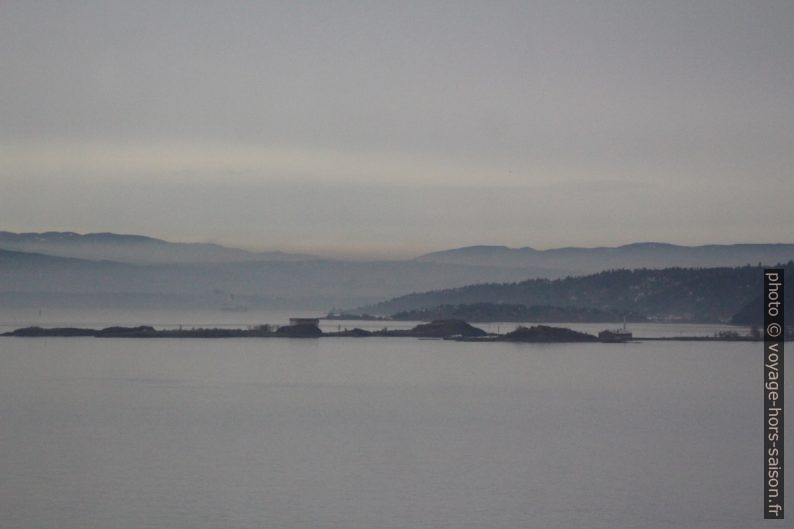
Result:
pixel 108 269
pixel 639 255
pixel 38 280
pixel 676 294
pixel 132 248
pixel 497 312
pixel 752 313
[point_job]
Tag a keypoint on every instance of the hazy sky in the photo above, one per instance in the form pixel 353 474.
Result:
pixel 397 127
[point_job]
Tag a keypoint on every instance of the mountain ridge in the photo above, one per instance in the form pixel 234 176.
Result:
pixel 132 248
pixel 585 260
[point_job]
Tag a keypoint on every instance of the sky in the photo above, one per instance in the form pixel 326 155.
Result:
pixel 381 128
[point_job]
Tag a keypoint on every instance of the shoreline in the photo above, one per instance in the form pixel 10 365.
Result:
pixel 454 330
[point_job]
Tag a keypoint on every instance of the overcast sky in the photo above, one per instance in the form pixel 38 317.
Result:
pixel 393 128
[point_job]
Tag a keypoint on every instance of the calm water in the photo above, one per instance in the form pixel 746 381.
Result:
pixel 11 319
pixel 378 433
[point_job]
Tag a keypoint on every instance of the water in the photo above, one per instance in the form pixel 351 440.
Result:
pixel 378 433
pixel 11 319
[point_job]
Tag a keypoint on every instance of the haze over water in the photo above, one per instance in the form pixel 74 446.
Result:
pixel 388 433
pixel 369 134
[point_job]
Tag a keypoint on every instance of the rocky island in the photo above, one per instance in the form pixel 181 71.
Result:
pixel 442 329
pixel 453 329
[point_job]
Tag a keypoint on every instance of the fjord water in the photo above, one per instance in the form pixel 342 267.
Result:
pixel 378 433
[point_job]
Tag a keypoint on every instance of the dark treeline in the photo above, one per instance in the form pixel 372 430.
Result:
pixel 674 294
pixel 494 312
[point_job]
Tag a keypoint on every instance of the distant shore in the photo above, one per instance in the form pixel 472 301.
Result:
pixel 457 330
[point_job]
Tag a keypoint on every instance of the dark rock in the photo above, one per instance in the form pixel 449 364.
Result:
pixel 299 331
pixel 357 333
pixel 58 331
pixel 544 333
pixel 445 329
pixel 121 332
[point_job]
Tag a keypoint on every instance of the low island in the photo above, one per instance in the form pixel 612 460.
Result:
pixel 451 329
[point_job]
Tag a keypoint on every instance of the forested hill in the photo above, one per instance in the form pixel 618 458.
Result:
pixel 631 256
pixel 676 294
pixel 752 313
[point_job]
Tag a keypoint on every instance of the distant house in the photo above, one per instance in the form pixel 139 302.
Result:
pixel 304 321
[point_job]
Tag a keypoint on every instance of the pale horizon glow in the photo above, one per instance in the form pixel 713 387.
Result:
pixel 392 129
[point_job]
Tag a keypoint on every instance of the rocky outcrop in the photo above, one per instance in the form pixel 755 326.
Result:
pixel 299 331
pixel 446 329
pixel 546 334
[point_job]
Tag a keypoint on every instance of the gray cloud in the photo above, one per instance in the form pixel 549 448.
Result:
pixel 412 125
